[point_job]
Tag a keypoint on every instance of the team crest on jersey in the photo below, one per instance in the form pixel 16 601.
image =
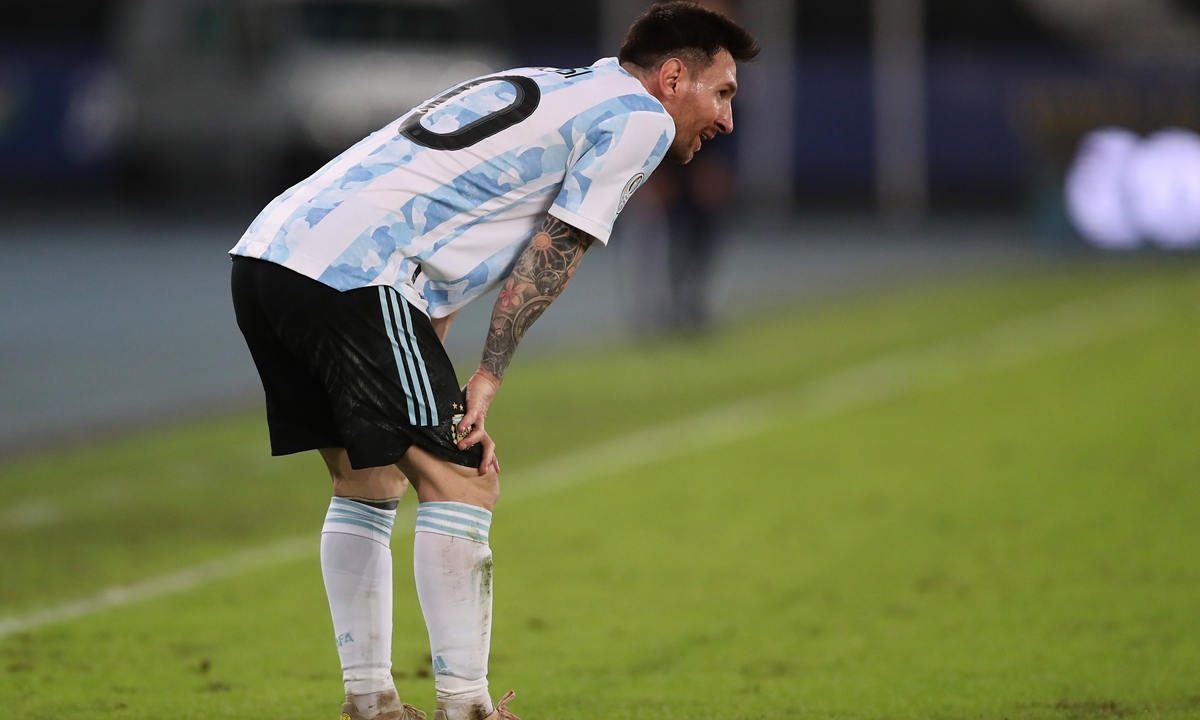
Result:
pixel 456 432
pixel 634 183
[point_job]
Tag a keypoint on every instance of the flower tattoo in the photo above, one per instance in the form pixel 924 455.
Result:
pixel 540 275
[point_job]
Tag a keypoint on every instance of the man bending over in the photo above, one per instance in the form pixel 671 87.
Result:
pixel 346 284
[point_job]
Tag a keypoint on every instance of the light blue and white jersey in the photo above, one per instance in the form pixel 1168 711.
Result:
pixel 440 203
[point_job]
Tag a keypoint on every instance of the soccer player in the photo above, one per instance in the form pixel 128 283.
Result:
pixel 345 286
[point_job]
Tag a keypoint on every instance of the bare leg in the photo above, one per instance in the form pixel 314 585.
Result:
pixel 356 562
pixel 452 564
pixel 377 483
pixel 439 481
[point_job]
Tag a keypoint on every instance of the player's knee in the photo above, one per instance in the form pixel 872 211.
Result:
pixel 491 488
pixel 368 484
pixel 484 490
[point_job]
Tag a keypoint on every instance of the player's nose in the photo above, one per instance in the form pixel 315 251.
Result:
pixel 725 120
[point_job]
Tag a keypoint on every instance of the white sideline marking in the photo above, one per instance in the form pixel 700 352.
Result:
pixel 185 579
pixel 1003 347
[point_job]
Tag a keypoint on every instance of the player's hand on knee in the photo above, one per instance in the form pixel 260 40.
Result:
pixel 480 391
pixel 490 461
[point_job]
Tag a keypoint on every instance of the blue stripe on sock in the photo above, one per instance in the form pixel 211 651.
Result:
pixel 362 509
pixel 472 535
pixel 366 511
pixel 456 519
pixel 435 515
pixel 348 512
pixel 334 516
pixel 457 507
pixel 358 523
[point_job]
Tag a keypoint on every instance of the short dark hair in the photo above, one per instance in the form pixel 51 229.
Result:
pixel 685 30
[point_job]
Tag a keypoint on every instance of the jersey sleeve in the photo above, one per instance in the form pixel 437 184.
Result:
pixel 612 160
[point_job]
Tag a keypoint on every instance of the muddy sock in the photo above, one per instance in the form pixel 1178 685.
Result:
pixel 356 563
pixel 453 567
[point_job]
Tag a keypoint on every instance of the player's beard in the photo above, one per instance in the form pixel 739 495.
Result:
pixel 680 153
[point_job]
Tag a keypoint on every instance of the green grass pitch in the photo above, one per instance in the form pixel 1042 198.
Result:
pixel 1014 540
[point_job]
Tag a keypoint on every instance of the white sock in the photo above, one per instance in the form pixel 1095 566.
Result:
pixel 453 567
pixel 356 563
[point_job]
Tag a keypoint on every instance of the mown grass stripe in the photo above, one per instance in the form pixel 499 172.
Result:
pixel 273 554
pixel 996 349
pixel 993 350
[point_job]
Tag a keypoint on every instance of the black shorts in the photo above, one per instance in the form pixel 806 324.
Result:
pixel 361 369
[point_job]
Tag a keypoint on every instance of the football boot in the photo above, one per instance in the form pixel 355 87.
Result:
pixel 500 713
pixel 388 707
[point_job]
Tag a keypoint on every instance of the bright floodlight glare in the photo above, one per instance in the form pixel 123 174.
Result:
pixel 1095 189
pixel 1163 188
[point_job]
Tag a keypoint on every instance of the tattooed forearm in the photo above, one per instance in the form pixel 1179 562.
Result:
pixel 540 275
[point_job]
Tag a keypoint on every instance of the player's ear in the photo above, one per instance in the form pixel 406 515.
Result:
pixel 670 75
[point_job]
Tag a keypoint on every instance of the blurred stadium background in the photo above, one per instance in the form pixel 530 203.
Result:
pixel 917 192
pixel 878 140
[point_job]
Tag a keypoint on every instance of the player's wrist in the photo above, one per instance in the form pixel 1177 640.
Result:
pixel 488 375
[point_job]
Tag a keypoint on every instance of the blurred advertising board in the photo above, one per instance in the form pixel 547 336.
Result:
pixel 1116 157
pixel 251 94
pixel 62 112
